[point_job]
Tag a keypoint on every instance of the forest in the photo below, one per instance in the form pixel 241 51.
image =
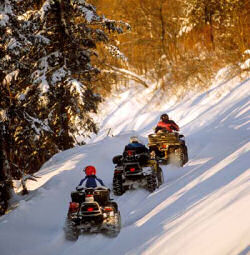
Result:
pixel 60 58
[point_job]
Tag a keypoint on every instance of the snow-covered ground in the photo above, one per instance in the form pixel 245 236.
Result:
pixel 202 208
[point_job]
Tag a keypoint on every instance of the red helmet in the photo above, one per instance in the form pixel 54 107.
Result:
pixel 90 170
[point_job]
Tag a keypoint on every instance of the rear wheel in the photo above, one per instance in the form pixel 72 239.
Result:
pixel 115 227
pixel 160 176
pixel 185 152
pixel 151 182
pixel 70 230
pixel 117 185
pixel 179 157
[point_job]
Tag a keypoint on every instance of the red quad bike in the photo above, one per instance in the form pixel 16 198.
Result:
pixel 136 169
pixel 92 210
pixel 168 148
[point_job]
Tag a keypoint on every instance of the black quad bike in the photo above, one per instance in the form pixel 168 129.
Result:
pixel 92 211
pixel 136 170
pixel 168 148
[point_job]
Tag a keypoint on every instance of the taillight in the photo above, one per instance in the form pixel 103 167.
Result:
pixel 73 206
pixel 130 153
pixel 90 209
pixel 132 169
pixel 108 209
pixel 89 195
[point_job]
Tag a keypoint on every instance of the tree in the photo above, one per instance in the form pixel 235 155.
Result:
pixel 180 44
pixel 47 79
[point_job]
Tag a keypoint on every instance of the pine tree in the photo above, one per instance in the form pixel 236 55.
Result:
pixel 47 92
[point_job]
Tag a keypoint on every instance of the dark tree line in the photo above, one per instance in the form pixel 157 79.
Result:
pixel 47 89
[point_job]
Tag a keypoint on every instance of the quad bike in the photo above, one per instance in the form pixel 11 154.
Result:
pixel 168 148
pixel 92 210
pixel 136 170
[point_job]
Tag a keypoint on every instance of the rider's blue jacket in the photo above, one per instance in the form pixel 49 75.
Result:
pixel 91 181
pixel 138 147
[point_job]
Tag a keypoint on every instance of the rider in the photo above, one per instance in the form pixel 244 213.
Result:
pixel 169 125
pixel 138 148
pixel 90 178
pixel 166 124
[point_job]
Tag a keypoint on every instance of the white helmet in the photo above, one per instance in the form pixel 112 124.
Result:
pixel 134 139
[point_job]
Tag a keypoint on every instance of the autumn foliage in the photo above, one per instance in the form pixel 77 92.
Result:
pixel 180 44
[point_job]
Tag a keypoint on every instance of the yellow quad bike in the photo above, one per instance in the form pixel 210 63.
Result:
pixel 168 148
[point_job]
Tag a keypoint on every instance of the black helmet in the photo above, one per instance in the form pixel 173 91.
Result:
pixel 164 116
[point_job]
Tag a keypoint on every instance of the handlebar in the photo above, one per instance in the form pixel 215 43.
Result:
pixel 96 188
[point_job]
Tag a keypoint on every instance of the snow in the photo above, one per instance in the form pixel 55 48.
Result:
pixel 10 76
pixel 245 65
pixel 4 19
pixel 39 75
pixel 46 6
pixel 58 75
pixel 43 86
pixel 247 52
pixel 13 44
pixel 89 15
pixel 3 114
pixel 22 97
pixel 114 51
pixel 185 29
pixel 88 10
pixel 202 208
pixel 37 124
pixel 76 85
pixel 42 39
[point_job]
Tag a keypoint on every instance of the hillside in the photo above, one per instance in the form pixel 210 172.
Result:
pixel 202 208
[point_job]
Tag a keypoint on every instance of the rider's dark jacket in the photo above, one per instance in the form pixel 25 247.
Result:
pixel 168 125
pixel 137 147
pixel 91 181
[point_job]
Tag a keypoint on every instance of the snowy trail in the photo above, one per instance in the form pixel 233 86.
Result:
pixel 201 208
